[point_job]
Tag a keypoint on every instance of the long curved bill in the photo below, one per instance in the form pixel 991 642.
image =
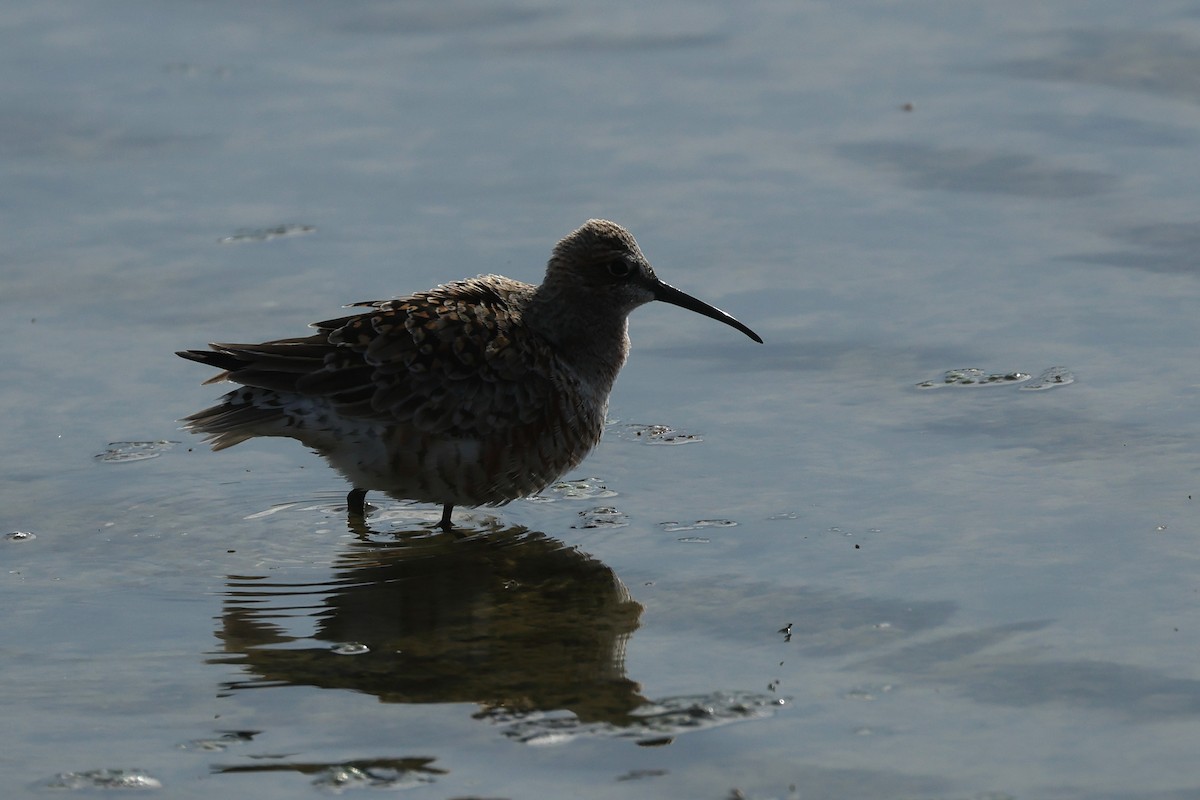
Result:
pixel 669 294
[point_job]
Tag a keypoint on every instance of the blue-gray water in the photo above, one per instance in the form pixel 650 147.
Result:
pixel 990 591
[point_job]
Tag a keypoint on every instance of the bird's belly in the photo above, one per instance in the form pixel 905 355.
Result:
pixel 511 462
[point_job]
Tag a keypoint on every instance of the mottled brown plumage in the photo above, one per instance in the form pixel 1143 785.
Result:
pixel 476 392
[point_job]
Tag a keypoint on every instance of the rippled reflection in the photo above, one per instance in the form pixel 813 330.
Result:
pixel 512 620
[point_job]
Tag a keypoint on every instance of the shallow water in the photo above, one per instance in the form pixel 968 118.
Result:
pixel 788 570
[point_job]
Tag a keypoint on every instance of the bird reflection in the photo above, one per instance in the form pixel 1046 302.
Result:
pixel 512 620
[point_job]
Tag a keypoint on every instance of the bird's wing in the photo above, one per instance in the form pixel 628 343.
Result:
pixel 453 361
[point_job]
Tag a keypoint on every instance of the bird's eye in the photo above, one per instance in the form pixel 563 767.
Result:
pixel 619 268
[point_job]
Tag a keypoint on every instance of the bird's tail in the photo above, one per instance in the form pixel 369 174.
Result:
pixel 242 414
pixel 267 403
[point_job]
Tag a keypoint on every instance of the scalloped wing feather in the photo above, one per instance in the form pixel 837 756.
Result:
pixel 453 361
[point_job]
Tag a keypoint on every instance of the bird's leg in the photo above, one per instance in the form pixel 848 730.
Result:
pixel 445 523
pixel 356 502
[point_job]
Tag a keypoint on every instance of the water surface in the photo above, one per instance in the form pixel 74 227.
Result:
pixel 787 570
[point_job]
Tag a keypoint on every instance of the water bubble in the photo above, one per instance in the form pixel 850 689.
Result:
pixel 350 649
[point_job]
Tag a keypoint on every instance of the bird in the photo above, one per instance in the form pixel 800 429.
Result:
pixel 474 393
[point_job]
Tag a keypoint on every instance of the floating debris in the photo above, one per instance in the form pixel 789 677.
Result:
pixel 20 536
pixel 264 234
pixel 124 452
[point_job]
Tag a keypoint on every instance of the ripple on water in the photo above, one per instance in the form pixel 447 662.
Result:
pixel 265 234
pixel 580 489
pixel 675 527
pixel 103 779
pixel 651 723
pixel 219 744
pixel 970 377
pixel 337 779
pixel 378 773
pixel 867 694
pixel 123 452
pixel 1050 379
pixel 20 536
pixel 655 434
pixel 602 517
pixel 639 774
